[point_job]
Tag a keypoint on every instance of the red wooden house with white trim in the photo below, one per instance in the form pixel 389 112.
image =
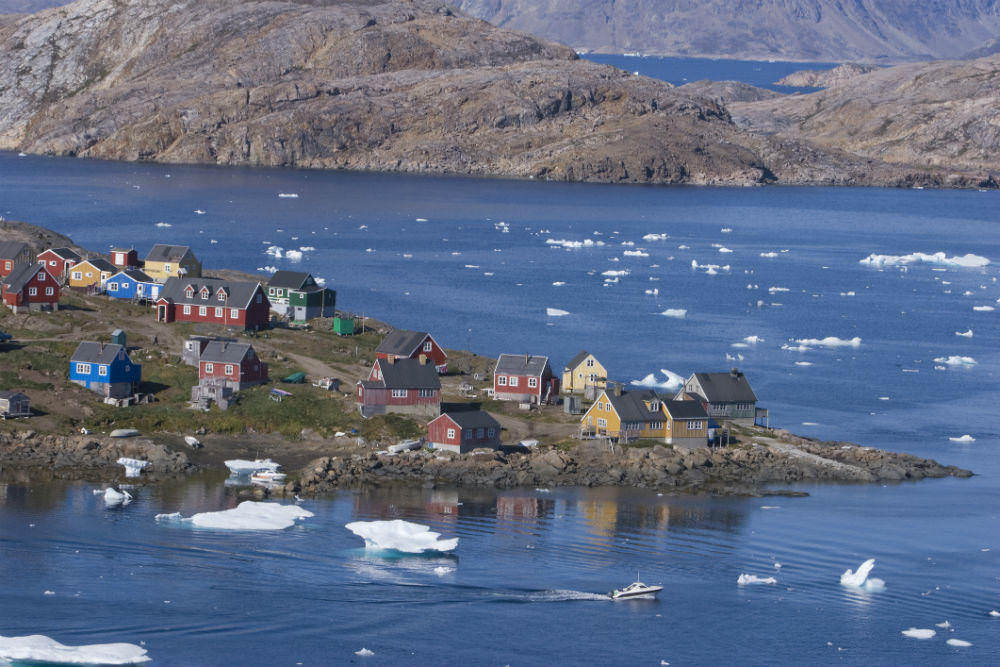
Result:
pixel 30 286
pixel 59 261
pixel 12 253
pixel 407 386
pixel 242 305
pixel 403 344
pixel 235 365
pixel 524 378
pixel 463 431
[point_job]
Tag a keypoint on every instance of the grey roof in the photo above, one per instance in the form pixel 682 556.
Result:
pixel 96 353
pixel 8 394
pixel 20 275
pixel 240 292
pixel 163 252
pixel 631 406
pixel 401 342
pixel 409 374
pixel 289 279
pixel 729 387
pixel 518 364
pixel 225 352
pixel 136 274
pixel 577 360
pixel 65 253
pixel 11 249
pixel 101 264
pixel 685 409
pixel 473 419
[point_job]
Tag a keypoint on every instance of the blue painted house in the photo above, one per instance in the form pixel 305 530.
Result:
pixel 132 284
pixel 106 369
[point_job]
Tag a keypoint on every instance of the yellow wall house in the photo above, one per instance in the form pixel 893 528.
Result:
pixel 583 370
pixel 91 272
pixel 627 416
pixel 169 261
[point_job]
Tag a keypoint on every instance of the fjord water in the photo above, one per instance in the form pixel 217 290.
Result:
pixel 520 587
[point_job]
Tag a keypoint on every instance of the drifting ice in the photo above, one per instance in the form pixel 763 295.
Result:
pixel 114 498
pixel 955 360
pixel 964 334
pixel 746 579
pixel 399 535
pixel 919 633
pixel 586 243
pixel 555 312
pixel 983 309
pixel 288 195
pixel 635 253
pixel 163 224
pixel 364 653
pixel 830 341
pixel 939 258
pixel 860 578
pixel 769 255
pixel 673 381
pixel 132 466
pixel 294 255
pixel 248 515
pixel 678 313
pixel 42 649
pixel 963 438
pixel 958 642
pixel 655 237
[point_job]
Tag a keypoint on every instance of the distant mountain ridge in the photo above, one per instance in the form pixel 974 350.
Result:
pixel 816 30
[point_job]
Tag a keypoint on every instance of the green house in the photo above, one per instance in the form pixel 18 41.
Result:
pixel 299 297
pixel 343 326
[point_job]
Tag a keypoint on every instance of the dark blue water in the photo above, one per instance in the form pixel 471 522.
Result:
pixel 679 71
pixel 519 591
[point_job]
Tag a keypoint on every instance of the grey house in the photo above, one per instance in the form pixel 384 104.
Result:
pixel 14 404
pixel 724 395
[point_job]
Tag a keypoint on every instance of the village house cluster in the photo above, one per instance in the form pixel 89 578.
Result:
pixel 405 377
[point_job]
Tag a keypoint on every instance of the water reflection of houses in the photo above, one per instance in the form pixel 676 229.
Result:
pixel 523 507
pixel 611 512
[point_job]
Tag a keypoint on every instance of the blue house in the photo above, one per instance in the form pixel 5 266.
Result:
pixel 105 368
pixel 132 284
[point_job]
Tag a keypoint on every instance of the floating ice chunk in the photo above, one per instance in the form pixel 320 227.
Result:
pixel 983 309
pixel 36 649
pixel 613 273
pixel 399 535
pixel 199 211
pixel 558 283
pixel 683 247
pixel 573 245
pixel 673 381
pixel 847 293
pixel 753 340
pixel 885 398
pixel 48 593
pixel 964 334
pixel 288 195
pixel 275 251
pixel 726 230
pixel 364 653
pixel 740 345
pixel 635 253
pixel 163 224
pixel 795 348
pixel 655 237
pixel 747 579
pixel 441 570
pixel 420 220
pixel 555 312
pixel 963 438
pixel 775 290
pixel 769 255
pixel 803 363
pixel 995 614
pixel 961 643
pixel 133 467
pixel 115 498
pixel 677 313
pixel 724 249
pixel 306 248
pixel 472 266
pixel 248 515
pixel 860 578
pixel 919 633
pixel 943 624
pixel 830 341
pixel 955 360
pixel 293 255
pixel 939 258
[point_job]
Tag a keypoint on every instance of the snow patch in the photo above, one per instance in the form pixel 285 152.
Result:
pixel 399 535
pixel 248 515
pixel 42 649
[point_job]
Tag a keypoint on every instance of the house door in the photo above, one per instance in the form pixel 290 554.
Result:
pixel 161 313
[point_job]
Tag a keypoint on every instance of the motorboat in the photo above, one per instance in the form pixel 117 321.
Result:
pixel 636 589
pixel 405 446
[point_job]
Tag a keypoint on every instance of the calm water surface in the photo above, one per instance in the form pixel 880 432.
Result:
pixel 520 589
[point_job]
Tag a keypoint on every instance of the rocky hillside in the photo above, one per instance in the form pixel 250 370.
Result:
pixel 824 78
pixel 819 30
pixel 940 113
pixel 727 92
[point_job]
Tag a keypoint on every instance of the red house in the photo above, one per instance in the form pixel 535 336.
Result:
pixel 234 365
pixel 230 303
pixel 407 386
pixel 30 286
pixel 403 344
pixel 464 431
pixel 11 253
pixel 524 378
pixel 59 261
pixel 125 258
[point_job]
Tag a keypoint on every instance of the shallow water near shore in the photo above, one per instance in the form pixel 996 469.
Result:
pixel 520 587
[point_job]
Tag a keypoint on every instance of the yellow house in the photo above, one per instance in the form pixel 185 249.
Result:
pixel 627 416
pixel 169 261
pixel 583 370
pixel 91 272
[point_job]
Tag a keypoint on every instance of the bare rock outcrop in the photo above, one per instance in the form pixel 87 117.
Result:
pixel 824 78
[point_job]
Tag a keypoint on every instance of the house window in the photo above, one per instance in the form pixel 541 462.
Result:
pixel 493 432
pixel 41 276
pixel 202 311
pixel 218 312
pixel 479 433
pixel 229 369
pixel 260 297
pixel 399 393
pixel 590 363
pixel 7 266
pixel 167 268
pixel 513 380
pixel 112 287
pixel 50 291
pixel 77 275
pixel 428 346
pixel 204 294
pixel 234 313
pixel 83 369
pixel 694 425
pixel 125 286
pixel 602 423
pixel 32 291
pixel 533 383
pixel 52 262
pixel 189 293
pixel 501 380
pixel 187 310
pixel 209 368
pixel 426 393
pixel 593 377
pixel 221 296
pixel 102 370
pixel 656 425
pixel 451 434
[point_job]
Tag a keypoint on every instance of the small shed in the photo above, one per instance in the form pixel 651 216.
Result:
pixel 572 405
pixel 118 337
pixel 14 404
pixel 343 326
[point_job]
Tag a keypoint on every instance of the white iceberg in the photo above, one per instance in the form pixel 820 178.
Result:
pixel 293 255
pixel 556 312
pixel 307 248
pixel 36 649
pixel 364 653
pixel 803 363
pixel 753 340
pixel 248 515
pixel 747 579
pixel 288 195
pixel 769 255
pixel 635 253
pixel 963 438
pixel 558 283
pixel 969 261
pixel 133 467
pixel 655 237
pixel 677 313
pixel 616 273
pixel 956 360
pixel 859 579
pixel 724 249
pixel 673 381
pixel 961 643
pixel 829 341
pixel 399 535
pixel 441 570
pixel 775 290
pixel 983 309
pixel 163 224
pixel 573 245
pixel 964 334
pixel 275 251
pixel 115 498
pixel 726 230
pixel 919 633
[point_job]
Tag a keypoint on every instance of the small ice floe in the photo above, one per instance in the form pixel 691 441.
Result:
pixel 748 579
pixel 683 247
pixel 420 220
pixel 803 363
pixel 851 293
pixel 133 467
pixel 795 348
pixel 830 341
pixel 969 261
pixel 472 266
pixel 635 253
pixel 753 340
pixel 556 312
pixel 558 283
pixel 288 195
pixel 213 241
pixel 615 273
pixel 964 334
pixel 163 224
pixel 48 593
pixel 740 345
pixel 919 633
pixel 198 211
pixel 39 649
pixel 769 255
pixel 995 614
pixel 364 653
pixel 676 313
pixel 776 290
pixel 956 360
pixel 543 490
pixel 442 571
pixel 267 268
pixel 810 423
pixel 960 643
pixel 248 515
pixel 724 250
pixel 573 245
pixel 399 535
pixel 653 292
pixel 307 248
pixel 293 255
pixel 655 237
pixel 859 579
pixel 726 230
pixel 943 624
pixel 115 498
pixel 983 309
pixel 963 438
pixel 672 381
pixel 275 251
pixel 22 155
